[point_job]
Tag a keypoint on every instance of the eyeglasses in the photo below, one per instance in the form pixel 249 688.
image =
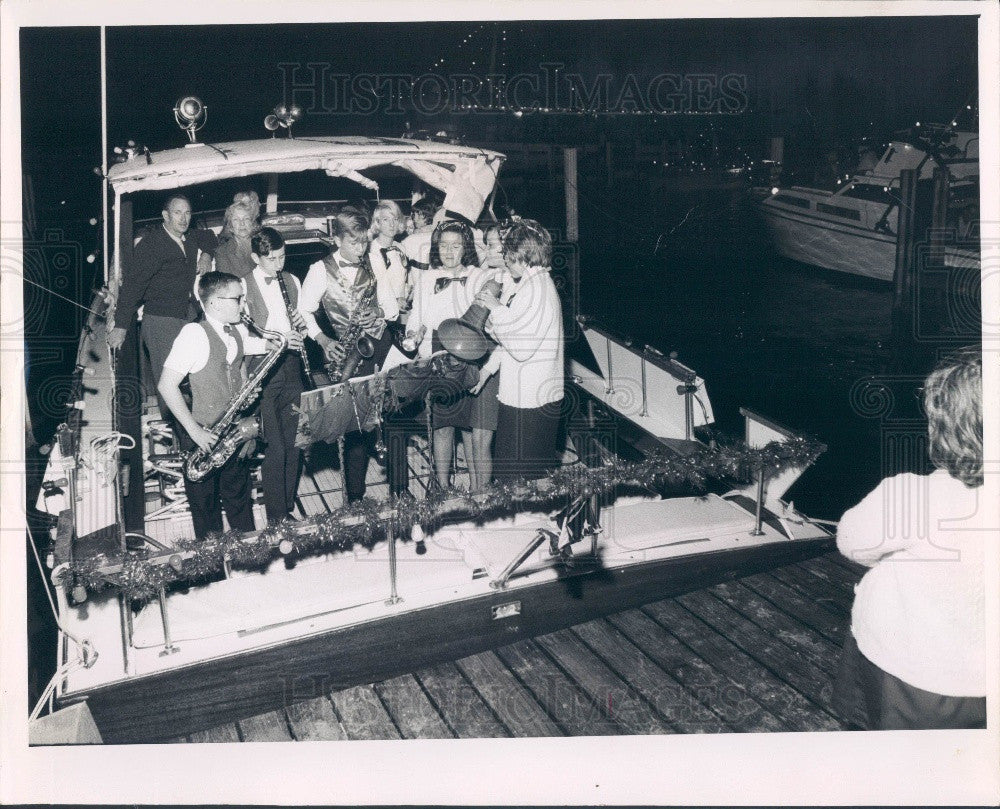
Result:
pixel 230 297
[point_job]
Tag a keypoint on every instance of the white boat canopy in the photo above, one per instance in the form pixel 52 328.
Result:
pixel 465 174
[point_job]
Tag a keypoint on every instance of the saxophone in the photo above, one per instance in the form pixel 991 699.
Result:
pixel 230 435
pixel 357 345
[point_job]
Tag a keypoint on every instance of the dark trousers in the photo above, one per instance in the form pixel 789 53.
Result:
pixel 358 446
pixel 225 488
pixel 526 441
pixel 868 698
pixel 282 459
pixel 158 334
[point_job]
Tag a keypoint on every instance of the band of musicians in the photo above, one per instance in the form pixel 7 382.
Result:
pixel 228 332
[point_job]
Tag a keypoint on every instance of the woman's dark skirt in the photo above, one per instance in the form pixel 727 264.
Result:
pixel 868 698
pixel 526 441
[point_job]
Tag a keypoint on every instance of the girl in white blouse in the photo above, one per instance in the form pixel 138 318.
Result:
pixel 446 290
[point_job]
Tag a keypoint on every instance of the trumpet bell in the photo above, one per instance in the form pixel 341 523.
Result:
pixel 465 337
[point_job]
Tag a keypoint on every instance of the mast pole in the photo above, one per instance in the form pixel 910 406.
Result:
pixel 104 153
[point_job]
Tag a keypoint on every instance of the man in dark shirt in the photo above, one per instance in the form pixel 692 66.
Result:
pixel 161 277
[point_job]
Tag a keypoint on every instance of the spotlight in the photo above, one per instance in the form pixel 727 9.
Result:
pixel 283 116
pixel 190 115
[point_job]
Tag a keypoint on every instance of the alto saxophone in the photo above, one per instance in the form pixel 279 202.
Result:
pixel 229 435
pixel 357 345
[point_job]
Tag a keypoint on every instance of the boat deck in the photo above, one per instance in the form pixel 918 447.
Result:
pixel 752 655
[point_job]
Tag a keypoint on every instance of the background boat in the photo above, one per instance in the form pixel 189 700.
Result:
pixel 853 229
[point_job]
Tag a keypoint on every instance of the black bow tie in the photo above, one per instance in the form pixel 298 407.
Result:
pixel 444 283
pixel 345 264
pixel 270 279
pixel 229 329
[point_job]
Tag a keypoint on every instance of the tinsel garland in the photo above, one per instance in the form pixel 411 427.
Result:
pixel 140 574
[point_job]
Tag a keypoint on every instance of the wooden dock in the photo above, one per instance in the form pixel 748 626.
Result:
pixel 753 655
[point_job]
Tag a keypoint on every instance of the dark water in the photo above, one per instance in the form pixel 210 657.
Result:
pixel 786 340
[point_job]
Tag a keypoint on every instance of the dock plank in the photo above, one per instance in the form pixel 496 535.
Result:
pixel 775 695
pixel 785 662
pixel 801 638
pixel 576 713
pixel 314 720
pixel 667 696
pixel 362 714
pixel 266 727
pixel 725 696
pixel 834 575
pixel 854 570
pixel 624 701
pixel 508 699
pixel 814 589
pixel 827 619
pixel 222 733
pixel 458 703
pixel 411 710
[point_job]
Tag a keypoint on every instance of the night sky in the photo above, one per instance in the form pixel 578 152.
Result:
pixel 828 79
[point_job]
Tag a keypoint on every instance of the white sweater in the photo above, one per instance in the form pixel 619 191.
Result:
pixel 530 333
pixel 919 613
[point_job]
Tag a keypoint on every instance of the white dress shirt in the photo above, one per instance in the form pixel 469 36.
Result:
pixel 431 308
pixel 314 288
pixel 391 278
pixel 277 313
pixel 190 351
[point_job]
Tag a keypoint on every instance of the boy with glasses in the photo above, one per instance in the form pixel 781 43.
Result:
pixel 209 354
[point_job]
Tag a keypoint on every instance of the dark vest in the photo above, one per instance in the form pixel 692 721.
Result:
pixel 215 386
pixel 255 299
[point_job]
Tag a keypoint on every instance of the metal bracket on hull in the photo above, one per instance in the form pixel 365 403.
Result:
pixel 541 536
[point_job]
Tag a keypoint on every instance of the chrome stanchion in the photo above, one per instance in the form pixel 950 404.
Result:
pixel 687 390
pixel 126 627
pixel 757 530
pixel 391 537
pixel 168 644
pixel 595 529
pixel 645 410
pixel 610 388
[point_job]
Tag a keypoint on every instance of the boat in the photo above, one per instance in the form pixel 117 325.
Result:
pixel 854 228
pixel 160 636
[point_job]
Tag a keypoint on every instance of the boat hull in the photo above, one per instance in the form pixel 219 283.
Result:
pixel 204 695
pixel 842 247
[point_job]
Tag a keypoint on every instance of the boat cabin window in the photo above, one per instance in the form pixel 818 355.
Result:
pixel 838 210
pixel 790 200
pixel 871 193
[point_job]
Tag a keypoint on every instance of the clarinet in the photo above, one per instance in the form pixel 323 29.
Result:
pixel 306 370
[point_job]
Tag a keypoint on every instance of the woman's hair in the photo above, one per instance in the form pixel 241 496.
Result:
pixel 469 256
pixel 528 243
pixel 251 200
pixel 424 209
pixel 265 241
pixel 389 206
pixel 953 401
pixel 232 210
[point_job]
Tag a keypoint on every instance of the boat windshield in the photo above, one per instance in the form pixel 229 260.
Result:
pixel 871 193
